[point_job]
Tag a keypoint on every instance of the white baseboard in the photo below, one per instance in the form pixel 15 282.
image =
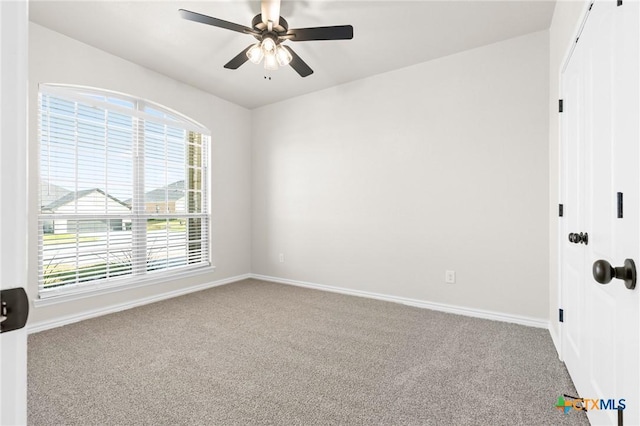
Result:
pixel 60 321
pixel 443 307
pixel 556 342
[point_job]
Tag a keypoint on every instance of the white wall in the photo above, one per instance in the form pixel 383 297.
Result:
pixel 382 184
pixel 567 17
pixel 378 185
pixel 54 58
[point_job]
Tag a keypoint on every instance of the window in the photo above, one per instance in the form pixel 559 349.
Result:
pixel 123 190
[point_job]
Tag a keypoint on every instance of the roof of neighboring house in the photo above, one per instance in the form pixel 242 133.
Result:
pixel 72 196
pixel 173 192
pixel 50 192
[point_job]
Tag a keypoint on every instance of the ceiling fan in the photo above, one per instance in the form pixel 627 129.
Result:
pixel 271 30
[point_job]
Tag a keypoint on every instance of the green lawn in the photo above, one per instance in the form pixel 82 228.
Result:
pixel 66 239
pixel 60 274
pixel 174 225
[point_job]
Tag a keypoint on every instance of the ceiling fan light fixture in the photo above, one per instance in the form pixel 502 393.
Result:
pixel 268 45
pixel 255 54
pixel 271 29
pixel 283 56
pixel 270 62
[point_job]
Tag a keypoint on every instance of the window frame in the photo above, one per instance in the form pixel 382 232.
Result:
pixel 87 96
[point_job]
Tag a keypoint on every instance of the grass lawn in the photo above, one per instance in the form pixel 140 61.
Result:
pixel 60 274
pixel 174 225
pixel 66 239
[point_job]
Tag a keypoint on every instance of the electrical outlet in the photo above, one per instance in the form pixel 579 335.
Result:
pixel 450 277
pixel 281 257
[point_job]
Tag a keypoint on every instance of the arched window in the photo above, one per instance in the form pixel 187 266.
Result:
pixel 123 189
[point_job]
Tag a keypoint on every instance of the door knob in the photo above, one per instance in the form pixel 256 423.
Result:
pixel 603 272
pixel 14 309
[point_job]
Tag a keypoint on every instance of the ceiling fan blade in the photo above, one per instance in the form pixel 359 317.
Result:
pixel 298 64
pixel 238 60
pixel 209 20
pixel 270 10
pixel 337 32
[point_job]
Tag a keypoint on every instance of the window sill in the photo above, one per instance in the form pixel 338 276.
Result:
pixel 68 295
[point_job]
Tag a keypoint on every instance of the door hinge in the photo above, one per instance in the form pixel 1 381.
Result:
pixel 560 210
pixel 561 104
pixel 620 206
pixel 561 315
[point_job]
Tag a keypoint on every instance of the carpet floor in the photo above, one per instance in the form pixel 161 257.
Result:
pixel 255 352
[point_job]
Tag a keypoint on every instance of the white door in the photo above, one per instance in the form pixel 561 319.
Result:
pixel 601 133
pixel 13 201
pixel 573 254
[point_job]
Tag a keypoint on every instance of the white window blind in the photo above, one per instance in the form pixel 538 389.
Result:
pixel 123 189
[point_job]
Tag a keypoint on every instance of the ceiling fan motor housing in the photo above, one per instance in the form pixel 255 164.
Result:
pixel 279 30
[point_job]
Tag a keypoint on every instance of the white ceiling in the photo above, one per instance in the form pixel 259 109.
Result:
pixel 387 35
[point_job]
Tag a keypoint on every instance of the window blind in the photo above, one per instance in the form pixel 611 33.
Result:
pixel 123 189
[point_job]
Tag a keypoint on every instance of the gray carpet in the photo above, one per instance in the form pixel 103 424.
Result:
pixel 254 352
